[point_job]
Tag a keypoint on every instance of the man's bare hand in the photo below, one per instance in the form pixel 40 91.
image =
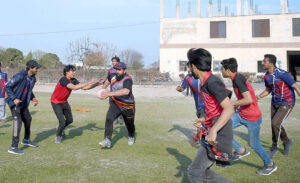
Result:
pixel 179 88
pixel 199 122
pixel 35 102
pixel 17 102
pixel 211 138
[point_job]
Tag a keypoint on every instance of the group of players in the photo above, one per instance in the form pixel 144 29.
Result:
pixel 217 115
pixel 18 92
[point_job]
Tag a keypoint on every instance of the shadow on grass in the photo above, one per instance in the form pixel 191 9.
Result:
pixel 186 131
pixel 4 126
pixel 2 134
pixel 42 136
pixel 246 163
pixel 9 118
pixel 79 131
pixel 184 163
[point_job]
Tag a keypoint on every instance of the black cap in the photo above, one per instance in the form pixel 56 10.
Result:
pixel 33 63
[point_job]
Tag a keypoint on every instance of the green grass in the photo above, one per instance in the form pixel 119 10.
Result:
pixel 160 154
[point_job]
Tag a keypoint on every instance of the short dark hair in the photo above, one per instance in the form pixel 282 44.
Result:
pixel 201 58
pixel 230 64
pixel 115 57
pixel 68 68
pixel 272 58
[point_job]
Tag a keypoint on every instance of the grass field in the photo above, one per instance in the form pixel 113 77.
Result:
pixel 160 154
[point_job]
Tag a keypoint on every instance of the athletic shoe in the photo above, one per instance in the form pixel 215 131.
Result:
pixel 15 150
pixel 273 151
pixel 105 143
pixel 130 141
pixel 58 139
pixel 236 156
pixel 267 170
pixel 287 147
pixel 28 143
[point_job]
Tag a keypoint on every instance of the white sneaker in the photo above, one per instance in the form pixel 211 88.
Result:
pixel 105 143
pixel 130 141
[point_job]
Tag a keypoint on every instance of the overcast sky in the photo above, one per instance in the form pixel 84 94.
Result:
pixel 35 16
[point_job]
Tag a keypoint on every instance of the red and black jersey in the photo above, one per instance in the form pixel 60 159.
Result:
pixel 61 92
pixel 240 85
pixel 213 92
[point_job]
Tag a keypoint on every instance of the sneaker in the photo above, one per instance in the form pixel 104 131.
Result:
pixel 28 143
pixel 105 143
pixel 273 151
pixel 58 139
pixel 15 150
pixel 236 156
pixel 130 141
pixel 267 170
pixel 287 147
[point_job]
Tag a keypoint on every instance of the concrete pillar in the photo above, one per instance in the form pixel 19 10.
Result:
pixel 219 8
pixel 178 9
pixel 162 8
pixel 284 6
pixel 246 7
pixel 238 7
pixel 210 13
pixel 198 8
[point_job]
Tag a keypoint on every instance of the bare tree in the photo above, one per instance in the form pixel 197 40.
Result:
pixel 95 59
pixel 108 51
pixel 132 58
pixel 78 50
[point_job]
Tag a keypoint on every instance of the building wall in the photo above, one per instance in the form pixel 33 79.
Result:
pixel 179 35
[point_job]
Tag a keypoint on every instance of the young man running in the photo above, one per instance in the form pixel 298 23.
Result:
pixel 282 86
pixel 121 103
pixel 61 93
pixel 248 114
pixel 195 84
pixel 110 74
pixel 19 94
pixel 3 81
pixel 216 141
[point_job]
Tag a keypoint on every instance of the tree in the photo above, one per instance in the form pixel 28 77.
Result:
pixel 13 57
pixel 38 55
pixel 2 50
pixel 78 50
pixel 50 60
pixel 28 57
pixel 107 51
pixel 155 66
pixel 132 58
pixel 95 59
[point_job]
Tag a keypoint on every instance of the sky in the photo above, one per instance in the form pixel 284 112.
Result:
pixel 36 16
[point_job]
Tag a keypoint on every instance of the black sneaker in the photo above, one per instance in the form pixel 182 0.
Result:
pixel 273 151
pixel 15 150
pixel 28 143
pixel 236 156
pixel 287 147
pixel 267 170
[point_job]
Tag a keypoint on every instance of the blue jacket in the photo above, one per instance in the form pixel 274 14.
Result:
pixel 15 87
